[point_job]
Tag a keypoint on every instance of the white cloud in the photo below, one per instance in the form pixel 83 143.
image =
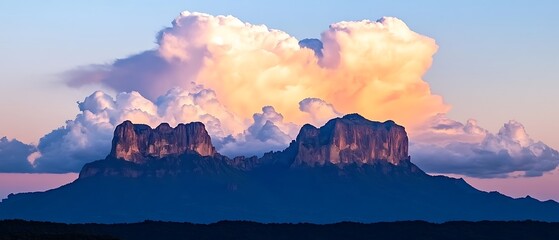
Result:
pixel 220 71
pixel 268 132
pixel 448 146
pixel 374 68
pixel 319 110
pixel 88 136
pixel 245 66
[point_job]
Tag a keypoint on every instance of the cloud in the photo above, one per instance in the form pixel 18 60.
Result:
pixel 82 140
pixel 13 156
pixel 268 132
pixel 448 146
pixel 371 67
pixel 88 137
pixel 139 72
pixel 319 110
pixel 221 71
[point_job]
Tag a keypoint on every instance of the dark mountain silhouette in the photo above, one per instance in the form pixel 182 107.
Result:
pixel 350 169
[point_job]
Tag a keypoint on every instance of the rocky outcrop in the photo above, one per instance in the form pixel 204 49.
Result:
pixel 350 169
pixel 351 139
pixel 167 151
pixel 137 142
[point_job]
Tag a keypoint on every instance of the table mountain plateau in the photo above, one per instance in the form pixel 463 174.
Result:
pixel 350 169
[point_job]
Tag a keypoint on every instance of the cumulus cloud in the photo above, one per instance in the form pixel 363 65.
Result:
pixel 319 110
pixel 448 146
pixel 88 136
pixel 13 156
pixel 371 67
pixel 268 132
pixel 221 71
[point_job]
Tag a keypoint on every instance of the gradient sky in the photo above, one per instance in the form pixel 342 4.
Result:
pixel 497 60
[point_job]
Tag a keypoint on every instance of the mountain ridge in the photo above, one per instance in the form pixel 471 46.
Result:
pixel 341 141
pixel 350 169
pixel 136 142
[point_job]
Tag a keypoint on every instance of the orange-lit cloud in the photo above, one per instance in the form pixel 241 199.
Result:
pixel 253 87
pixel 371 67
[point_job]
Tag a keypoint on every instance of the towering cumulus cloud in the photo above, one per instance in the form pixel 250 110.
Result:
pixel 253 87
pixel 371 67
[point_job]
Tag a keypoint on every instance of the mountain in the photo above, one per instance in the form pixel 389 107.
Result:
pixel 138 143
pixel 351 140
pixel 350 169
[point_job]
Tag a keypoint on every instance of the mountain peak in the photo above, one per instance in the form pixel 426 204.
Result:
pixel 164 127
pixel 139 142
pixel 363 173
pixel 354 116
pixel 351 139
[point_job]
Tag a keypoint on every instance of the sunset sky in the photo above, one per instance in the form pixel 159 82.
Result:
pixel 474 83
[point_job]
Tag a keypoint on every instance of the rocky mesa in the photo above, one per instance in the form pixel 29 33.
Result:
pixel 138 142
pixel 350 169
pixel 351 139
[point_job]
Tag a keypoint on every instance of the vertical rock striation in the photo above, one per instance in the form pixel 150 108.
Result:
pixel 350 169
pixel 139 142
pixel 351 140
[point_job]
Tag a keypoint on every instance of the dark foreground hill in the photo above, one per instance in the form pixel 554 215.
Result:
pixel 417 230
pixel 350 169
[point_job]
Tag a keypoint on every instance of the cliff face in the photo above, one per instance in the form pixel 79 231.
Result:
pixel 351 169
pixel 137 142
pixel 351 140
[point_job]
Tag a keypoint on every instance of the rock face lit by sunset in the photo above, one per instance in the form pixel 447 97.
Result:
pixel 182 178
